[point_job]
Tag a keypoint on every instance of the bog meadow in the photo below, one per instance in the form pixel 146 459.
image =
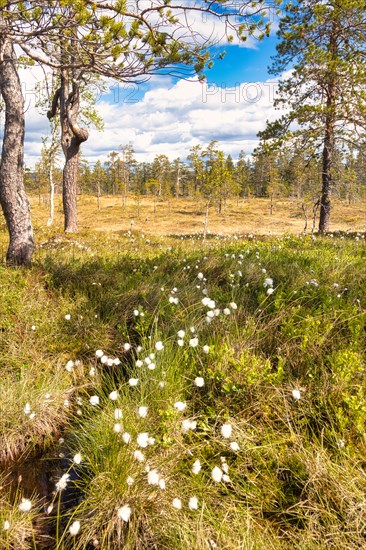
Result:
pixel 168 387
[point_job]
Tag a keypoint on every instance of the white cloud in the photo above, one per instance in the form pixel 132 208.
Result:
pixel 168 119
pixel 171 119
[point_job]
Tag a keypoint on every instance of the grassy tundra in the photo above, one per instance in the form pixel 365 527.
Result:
pixel 161 392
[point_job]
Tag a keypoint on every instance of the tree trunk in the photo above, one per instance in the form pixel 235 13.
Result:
pixel 52 195
pixel 69 187
pixel 327 180
pixel 72 136
pixel 329 140
pixel 13 198
pixel 98 195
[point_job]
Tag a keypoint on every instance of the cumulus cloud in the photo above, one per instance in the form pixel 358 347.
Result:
pixel 169 118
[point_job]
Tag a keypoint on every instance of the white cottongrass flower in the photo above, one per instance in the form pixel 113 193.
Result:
pixel 104 359
pixel 296 394
pixel 206 348
pixel 116 361
pixel 177 503
pixel 133 382
pixel 188 424
pixel 27 408
pixel 130 481
pixel 193 342
pixel 211 304
pixel 227 311
pixel 180 343
pixel 6 525
pixel 117 428
pixel 127 346
pixel 193 503
pixel 205 301
pixel 67 316
pixel 199 382
pixel 268 282
pixel 142 412
pixel 92 371
pixel 139 456
pixel 151 366
pixel 62 482
pixel 124 513
pixel 77 458
pixel 233 305
pixel 196 467
pixel 113 396
pixel 33 327
pixel 139 363
pixel 180 406
pixel 159 346
pixel 69 365
pixel 32 415
pixel 162 483
pixel 94 400
pixel 234 446
pixel 74 528
pixel 224 465
pixel 143 440
pixel 200 276
pixel 110 362
pixel 153 477
pixel 226 430
pixel 181 333
pixel 217 474
pixel 25 505
pixel 126 438
pixel 270 291
pixel 226 478
pixel 118 414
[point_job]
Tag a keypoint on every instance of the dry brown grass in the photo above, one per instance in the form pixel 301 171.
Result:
pixel 186 216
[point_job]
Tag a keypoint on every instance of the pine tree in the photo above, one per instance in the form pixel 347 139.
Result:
pixel 325 93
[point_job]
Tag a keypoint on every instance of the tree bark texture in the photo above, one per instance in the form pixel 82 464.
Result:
pixel 14 201
pixel 329 138
pixel 72 136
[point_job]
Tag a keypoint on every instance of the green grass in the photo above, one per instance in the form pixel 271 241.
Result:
pixel 296 478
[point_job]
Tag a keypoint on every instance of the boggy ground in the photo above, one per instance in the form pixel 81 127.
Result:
pixel 181 394
pixel 183 216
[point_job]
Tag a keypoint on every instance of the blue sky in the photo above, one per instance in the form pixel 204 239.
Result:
pixel 169 116
pixel 244 64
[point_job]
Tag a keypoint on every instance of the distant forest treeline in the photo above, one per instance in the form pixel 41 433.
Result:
pixel 210 173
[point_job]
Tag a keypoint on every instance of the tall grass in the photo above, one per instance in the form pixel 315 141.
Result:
pixel 265 391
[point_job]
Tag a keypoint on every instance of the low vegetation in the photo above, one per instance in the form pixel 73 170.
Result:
pixel 161 391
